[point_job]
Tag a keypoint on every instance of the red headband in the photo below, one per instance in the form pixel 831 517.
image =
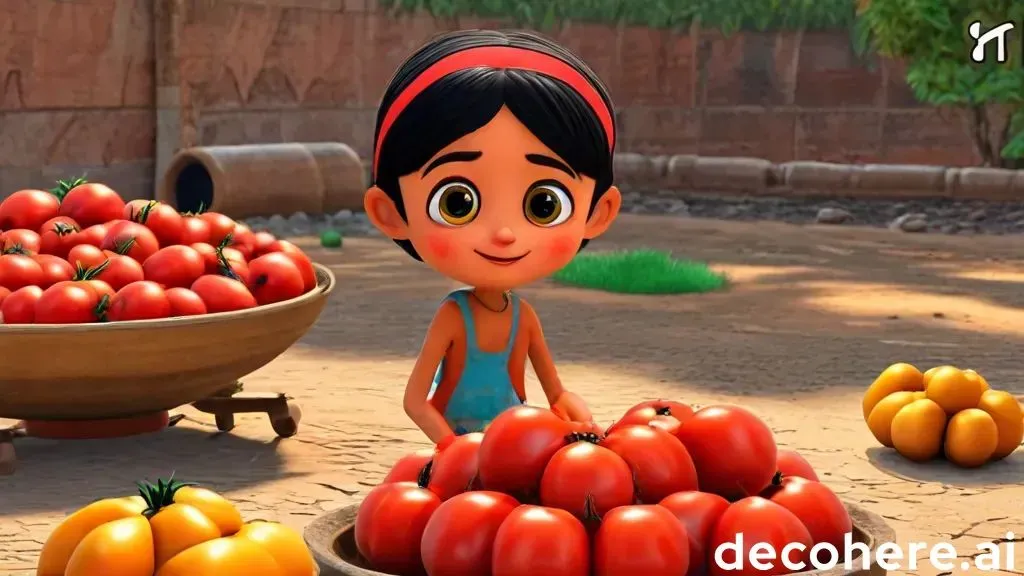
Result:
pixel 502 57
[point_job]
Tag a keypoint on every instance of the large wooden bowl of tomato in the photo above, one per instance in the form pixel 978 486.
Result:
pixel 129 368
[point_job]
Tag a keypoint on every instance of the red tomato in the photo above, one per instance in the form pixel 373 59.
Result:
pixel 534 541
pixel 55 269
pixel 759 521
pixel 120 271
pixel 459 538
pixel 164 221
pixel 93 235
pixel 274 277
pixel 587 480
pixel 175 266
pixel 91 203
pixel 185 302
pixel 19 270
pixel 131 239
pixel 214 265
pixel 698 511
pixel 666 411
pixel 20 306
pixel 454 471
pixel 57 238
pixel 301 260
pixel 221 226
pixel 28 209
pixel 223 294
pixel 86 256
pixel 4 293
pixel 141 300
pixel 243 240
pixel 262 241
pixel 194 229
pixel 58 220
pixel 68 303
pixel 790 464
pixel 634 540
pixel 390 525
pixel 517 446
pixel 733 450
pixel 409 467
pixel 20 238
pixel 820 510
pixel 659 461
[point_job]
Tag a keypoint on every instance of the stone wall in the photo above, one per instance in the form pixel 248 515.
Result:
pixel 114 87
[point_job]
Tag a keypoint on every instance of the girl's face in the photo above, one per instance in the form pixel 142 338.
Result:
pixel 495 209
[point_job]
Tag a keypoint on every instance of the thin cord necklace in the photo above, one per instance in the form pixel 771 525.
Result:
pixel 504 296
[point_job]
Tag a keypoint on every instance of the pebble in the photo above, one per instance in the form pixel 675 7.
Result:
pixel 910 222
pixel 831 215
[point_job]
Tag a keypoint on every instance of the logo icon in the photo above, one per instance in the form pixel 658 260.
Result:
pixel 982 38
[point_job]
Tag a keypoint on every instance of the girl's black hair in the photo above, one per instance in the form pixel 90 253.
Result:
pixel 464 101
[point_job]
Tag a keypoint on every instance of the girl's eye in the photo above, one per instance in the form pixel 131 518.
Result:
pixel 547 204
pixel 454 204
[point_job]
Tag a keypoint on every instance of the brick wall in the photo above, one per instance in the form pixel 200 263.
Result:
pixel 113 87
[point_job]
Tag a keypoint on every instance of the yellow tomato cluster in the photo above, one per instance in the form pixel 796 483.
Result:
pixel 171 529
pixel 945 410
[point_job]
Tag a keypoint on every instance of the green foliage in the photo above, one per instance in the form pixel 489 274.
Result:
pixel 639 272
pixel 932 37
pixel 725 15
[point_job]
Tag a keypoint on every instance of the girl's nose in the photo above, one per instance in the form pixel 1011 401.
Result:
pixel 504 237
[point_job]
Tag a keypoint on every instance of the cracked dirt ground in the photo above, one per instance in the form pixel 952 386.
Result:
pixel 813 315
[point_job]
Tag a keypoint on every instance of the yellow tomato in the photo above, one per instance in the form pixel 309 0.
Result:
pixel 917 430
pixel 971 438
pixel 927 376
pixel 213 506
pixel 177 528
pixel 284 544
pixel 972 375
pixel 57 550
pixel 880 419
pixel 953 390
pixel 1006 413
pixel 134 533
pixel 899 377
pixel 231 556
pixel 117 547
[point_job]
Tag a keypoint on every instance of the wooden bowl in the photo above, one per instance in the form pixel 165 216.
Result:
pixel 124 369
pixel 331 538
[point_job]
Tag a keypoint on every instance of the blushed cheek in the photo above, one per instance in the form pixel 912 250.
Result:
pixel 563 246
pixel 439 246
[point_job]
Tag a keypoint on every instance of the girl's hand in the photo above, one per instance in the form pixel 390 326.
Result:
pixel 444 443
pixel 588 427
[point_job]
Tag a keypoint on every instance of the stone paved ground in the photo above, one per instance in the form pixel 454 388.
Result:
pixel 813 315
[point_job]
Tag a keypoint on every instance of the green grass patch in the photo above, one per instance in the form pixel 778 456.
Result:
pixel 724 15
pixel 640 272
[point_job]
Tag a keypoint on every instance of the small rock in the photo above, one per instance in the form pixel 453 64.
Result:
pixel 949 229
pixel 966 225
pixel 977 215
pixel 910 222
pixel 299 218
pixel 276 221
pixel 1015 216
pixel 831 215
pixel 343 215
pixel 256 224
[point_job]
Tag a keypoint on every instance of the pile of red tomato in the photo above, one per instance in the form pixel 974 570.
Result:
pixel 654 495
pixel 79 253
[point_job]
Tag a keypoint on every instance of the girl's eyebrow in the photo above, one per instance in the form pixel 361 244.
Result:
pixel 462 156
pixel 542 160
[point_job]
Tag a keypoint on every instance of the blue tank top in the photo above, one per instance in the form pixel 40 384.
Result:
pixel 484 388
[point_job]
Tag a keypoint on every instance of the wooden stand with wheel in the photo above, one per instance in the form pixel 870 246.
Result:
pixel 283 413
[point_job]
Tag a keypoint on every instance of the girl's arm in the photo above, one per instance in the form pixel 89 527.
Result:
pixel 563 402
pixel 439 337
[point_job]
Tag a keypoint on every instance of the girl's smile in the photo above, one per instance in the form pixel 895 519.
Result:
pixel 502 261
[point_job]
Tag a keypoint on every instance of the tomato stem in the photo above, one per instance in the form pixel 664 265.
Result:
pixel 582 437
pixel 143 214
pixel 159 495
pixel 590 514
pixel 223 266
pixel 14 249
pixel 63 228
pixel 124 246
pixel 82 273
pixel 777 478
pixel 64 186
pixel 664 411
pixel 102 307
pixel 423 478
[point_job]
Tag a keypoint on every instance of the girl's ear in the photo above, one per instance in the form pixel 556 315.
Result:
pixel 383 214
pixel 604 214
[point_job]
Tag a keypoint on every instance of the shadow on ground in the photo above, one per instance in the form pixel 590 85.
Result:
pixel 1005 472
pixel 44 470
pixel 810 308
